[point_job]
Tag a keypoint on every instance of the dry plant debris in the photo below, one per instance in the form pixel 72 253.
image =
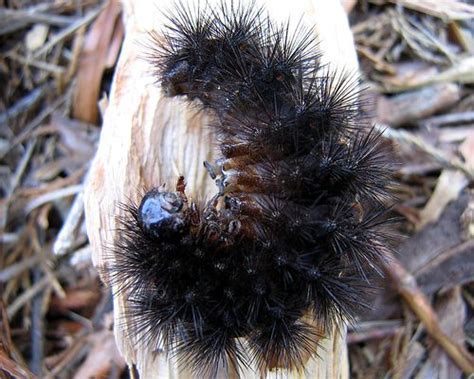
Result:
pixel 56 61
pixel 55 314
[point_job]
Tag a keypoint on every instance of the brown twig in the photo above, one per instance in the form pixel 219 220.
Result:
pixel 8 363
pixel 50 196
pixel 445 9
pixel 66 239
pixel 403 136
pixel 33 16
pixel 89 17
pixel 407 287
pixel 26 296
pixel 25 103
pixel 370 330
pixel 38 120
pixel 37 327
pixel 449 119
pixel 17 268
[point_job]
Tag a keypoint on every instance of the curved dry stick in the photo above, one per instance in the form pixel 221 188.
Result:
pixel 407 287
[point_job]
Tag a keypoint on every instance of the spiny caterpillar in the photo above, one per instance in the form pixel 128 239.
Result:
pixel 283 251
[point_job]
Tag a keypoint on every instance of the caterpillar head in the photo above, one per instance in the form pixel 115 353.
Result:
pixel 163 215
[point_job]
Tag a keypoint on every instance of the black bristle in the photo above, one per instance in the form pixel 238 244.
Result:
pixel 283 252
pixel 282 341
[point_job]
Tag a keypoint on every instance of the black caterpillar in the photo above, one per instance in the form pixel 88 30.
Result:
pixel 263 270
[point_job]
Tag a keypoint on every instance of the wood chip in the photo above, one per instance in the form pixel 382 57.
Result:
pixel 449 186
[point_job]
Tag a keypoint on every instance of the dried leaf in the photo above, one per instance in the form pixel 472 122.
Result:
pixel 467 219
pixel 79 138
pixel 411 106
pixel 93 61
pixel 445 9
pixel 434 244
pixel 451 313
pixel 463 36
pixel 462 72
pixel 467 150
pixel 102 357
pixel 449 186
pixel 451 268
pixel 434 238
pixel 414 355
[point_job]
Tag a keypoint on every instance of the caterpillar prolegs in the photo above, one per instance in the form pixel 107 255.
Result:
pixel 286 247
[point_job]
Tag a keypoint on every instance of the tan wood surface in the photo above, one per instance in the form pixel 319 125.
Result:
pixel 147 140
